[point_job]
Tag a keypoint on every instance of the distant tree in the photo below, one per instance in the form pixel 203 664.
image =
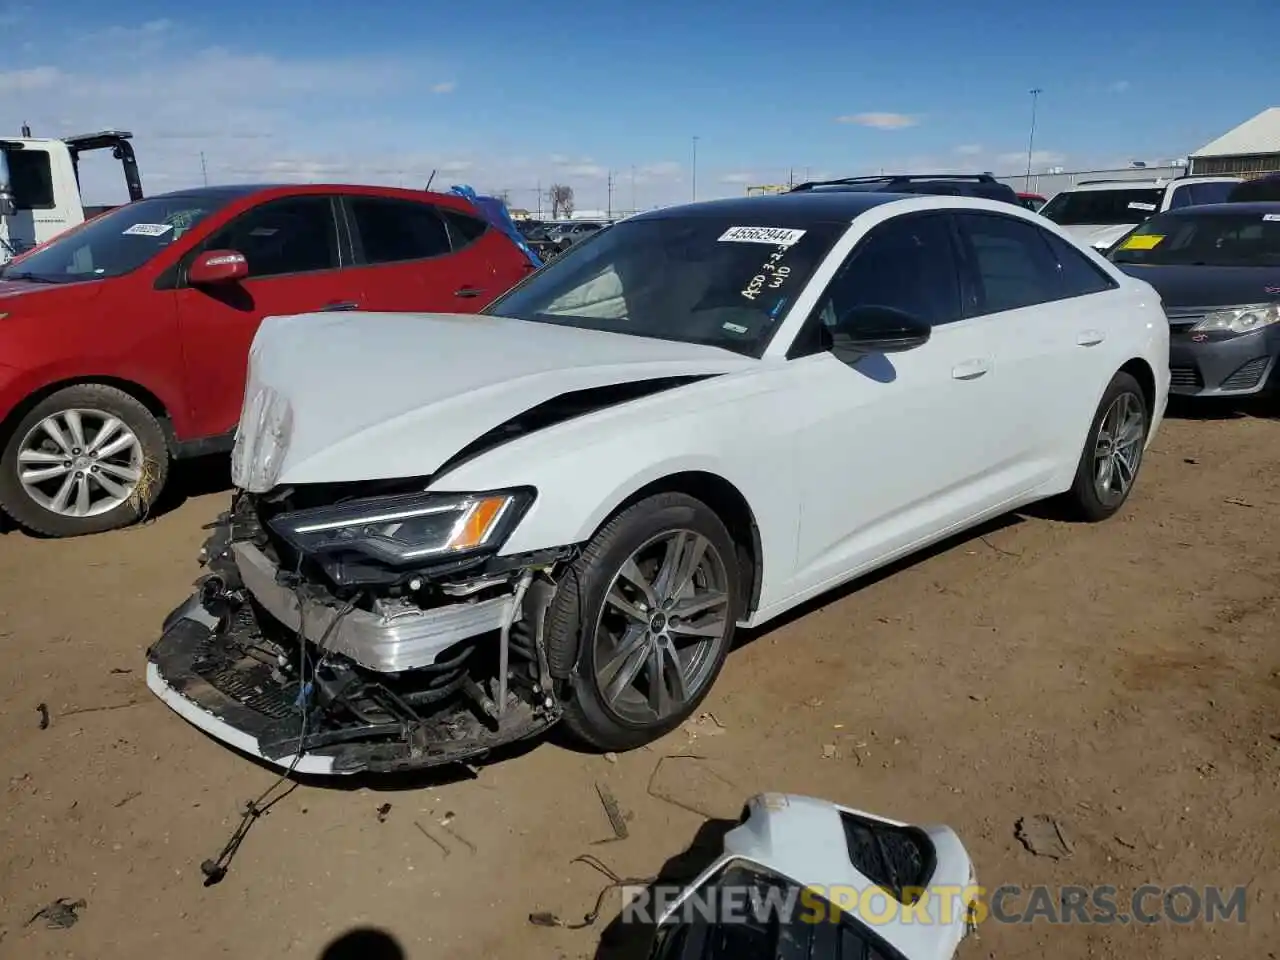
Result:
pixel 561 197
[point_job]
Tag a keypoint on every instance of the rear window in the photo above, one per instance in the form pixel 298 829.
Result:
pixel 1103 207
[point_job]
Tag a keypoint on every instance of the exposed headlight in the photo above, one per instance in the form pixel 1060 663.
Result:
pixel 1244 319
pixel 262 439
pixel 408 528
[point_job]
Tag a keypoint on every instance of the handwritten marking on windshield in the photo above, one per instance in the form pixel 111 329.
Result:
pixel 773 273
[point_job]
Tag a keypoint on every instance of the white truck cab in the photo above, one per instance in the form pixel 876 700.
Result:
pixel 40 186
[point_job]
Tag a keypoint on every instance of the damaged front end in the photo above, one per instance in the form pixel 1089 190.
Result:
pixel 341 628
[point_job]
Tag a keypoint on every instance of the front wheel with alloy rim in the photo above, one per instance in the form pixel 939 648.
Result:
pixel 1112 453
pixel 85 459
pixel 643 621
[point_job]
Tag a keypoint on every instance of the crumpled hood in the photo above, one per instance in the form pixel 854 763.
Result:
pixel 364 396
pixel 1093 235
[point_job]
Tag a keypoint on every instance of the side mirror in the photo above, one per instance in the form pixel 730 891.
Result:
pixel 867 330
pixel 218 266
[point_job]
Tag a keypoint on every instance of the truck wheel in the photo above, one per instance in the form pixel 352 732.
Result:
pixel 643 620
pixel 86 459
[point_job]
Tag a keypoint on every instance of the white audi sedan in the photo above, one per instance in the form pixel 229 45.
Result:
pixel 452 532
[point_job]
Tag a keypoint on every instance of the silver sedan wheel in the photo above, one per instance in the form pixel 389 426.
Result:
pixel 662 627
pixel 1118 450
pixel 80 463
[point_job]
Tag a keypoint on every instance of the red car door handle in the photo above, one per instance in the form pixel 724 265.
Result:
pixel 340 305
pixel 468 291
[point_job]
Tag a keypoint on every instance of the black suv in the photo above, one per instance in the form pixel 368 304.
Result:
pixel 937 184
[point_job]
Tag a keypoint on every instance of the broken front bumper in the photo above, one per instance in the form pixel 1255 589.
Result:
pixel 287 675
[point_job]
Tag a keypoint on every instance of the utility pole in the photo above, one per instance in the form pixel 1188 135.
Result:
pixel 539 191
pixel 204 169
pixel 608 213
pixel 1031 140
pixel 695 169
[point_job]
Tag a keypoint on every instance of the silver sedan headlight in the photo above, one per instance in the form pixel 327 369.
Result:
pixel 1238 320
pixel 407 529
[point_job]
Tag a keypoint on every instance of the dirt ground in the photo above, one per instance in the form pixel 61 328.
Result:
pixel 1122 678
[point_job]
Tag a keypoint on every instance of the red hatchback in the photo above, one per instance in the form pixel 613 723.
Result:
pixel 123 344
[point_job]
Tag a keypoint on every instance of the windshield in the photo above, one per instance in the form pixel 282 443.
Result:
pixel 1103 207
pixel 701 280
pixel 116 243
pixel 1212 240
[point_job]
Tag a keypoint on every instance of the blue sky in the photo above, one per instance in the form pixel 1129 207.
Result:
pixel 509 95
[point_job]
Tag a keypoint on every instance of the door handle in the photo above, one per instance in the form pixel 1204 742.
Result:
pixel 340 305
pixel 468 292
pixel 970 369
pixel 1090 338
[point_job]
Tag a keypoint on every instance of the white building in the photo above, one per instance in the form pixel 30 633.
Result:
pixel 1251 149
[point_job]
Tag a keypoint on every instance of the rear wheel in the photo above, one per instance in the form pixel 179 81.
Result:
pixel 643 621
pixel 1112 453
pixel 86 459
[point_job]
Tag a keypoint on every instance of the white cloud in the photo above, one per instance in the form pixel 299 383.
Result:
pixel 880 121
pixel 1039 160
pixel 22 82
pixel 969 149
pixel 256 117
pixel 447 86
pixel 1120 86
pixel 668 170
pixel 739 178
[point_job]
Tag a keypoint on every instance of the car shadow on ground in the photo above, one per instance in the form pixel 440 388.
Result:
pixel 363 943
pixel 1222 408
pixel 979 533
pixel 196 477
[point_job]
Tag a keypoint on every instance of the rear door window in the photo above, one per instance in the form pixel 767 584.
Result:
pixel 1014 265
pixel 393 231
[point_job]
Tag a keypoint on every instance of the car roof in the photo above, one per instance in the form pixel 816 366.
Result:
pixel 238 191
pixel 1255 207
pixel 815 206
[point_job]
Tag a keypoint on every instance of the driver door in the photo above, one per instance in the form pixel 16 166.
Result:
pixel 294 267
pixel 895 449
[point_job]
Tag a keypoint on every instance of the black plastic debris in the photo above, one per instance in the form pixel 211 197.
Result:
pixel 59 915
pixel 43 709
pixel 383 811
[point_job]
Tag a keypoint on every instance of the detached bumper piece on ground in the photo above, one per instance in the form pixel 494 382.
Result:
pixel 802 877
pixel 277 667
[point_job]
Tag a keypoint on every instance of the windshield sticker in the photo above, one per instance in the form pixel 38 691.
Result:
pixel 1144 241
pixel 148 230
pixel 735 328
pixel 1271 217
pixel 267 231
pixel 772 274
pixel 779 236
pixel 1145 207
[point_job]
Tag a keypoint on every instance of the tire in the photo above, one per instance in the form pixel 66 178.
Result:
pixel 122 486
pixel 580 623
pixel 1085 500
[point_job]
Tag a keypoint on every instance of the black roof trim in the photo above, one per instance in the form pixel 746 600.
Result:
pixel 792 207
